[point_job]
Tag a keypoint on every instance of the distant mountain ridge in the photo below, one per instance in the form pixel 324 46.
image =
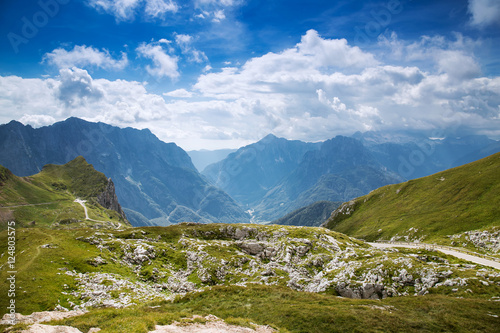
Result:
pixel 429 209
pixel 341 169
pixel 335 170
pixel 313 215
pixel 153 178
pixel 250 172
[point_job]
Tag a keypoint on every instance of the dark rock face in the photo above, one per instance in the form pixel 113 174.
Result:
pixel 153 178
pixel 366 291
pixel 109 200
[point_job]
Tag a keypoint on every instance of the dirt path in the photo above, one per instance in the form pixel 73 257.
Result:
pixel 37 251
pixel 458 254
pixel 26 205
pixel 82 202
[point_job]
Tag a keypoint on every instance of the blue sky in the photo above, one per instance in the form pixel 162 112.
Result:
pixel 223 73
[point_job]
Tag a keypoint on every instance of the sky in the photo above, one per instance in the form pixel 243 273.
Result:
pixel 212 74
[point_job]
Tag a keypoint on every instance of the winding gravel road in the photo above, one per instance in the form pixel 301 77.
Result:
pixel 460 255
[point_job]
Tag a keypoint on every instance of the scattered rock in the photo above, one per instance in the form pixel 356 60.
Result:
pixel 212 324
pixel 39 328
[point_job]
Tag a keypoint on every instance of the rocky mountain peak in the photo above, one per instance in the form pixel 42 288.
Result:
pixel 109 200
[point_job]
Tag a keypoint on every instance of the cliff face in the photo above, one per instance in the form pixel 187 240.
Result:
pixel 109 200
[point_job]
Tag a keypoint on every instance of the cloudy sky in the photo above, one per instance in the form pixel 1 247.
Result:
pixel 223 73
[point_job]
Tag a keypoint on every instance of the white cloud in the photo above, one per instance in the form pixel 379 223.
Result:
pixel 332 52
pixel 484 12
pixel 179 93
pixel 219 15
pixel 457 64
pixel 453 57
pixel 299 93
pixel 75 93
pixel 83 56
pixel 77 88
pixel 224 3
pixel 157 8
pixel 37 120
pixel 126 10
pixel 185 44
pixel 165 64
pixel 122 10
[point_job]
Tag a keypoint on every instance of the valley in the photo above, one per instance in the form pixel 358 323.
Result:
pixel 386 255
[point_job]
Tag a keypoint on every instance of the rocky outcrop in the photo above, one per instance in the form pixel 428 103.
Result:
pixel 109 200
pixel 484 240
pixel 38 317
pixel 157 264
pixel 366 291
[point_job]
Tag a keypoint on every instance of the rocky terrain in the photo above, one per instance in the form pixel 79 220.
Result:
pixel 312 260
pixel 119 269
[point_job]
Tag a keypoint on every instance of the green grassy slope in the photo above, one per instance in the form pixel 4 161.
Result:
pixel 47 198
pixel 48 276
pixel 430 208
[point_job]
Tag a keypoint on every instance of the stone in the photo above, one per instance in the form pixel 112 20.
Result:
pixel 212 324
pixel 251 248
pixel 39 328
pixel 39 317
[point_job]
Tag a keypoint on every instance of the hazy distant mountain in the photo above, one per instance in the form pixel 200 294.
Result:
pixel 249 173
pixel 312 216
pixel 340 170
pixel 414 155
pixel 153 178
pixel 202 158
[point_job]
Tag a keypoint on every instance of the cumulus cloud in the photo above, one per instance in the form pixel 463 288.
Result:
pixel 37 120
pixel 299 93
pixel 185 44
pixel 76 87
pixel 218 15
pixel 75 93
pixel 165 65
pixel 157 8
pixel 225 3
pixel 83 56
pixel 484 12
pixel 126 10
pixel 454 57
pixel 179 93
pixel 332 52
pixel 325 86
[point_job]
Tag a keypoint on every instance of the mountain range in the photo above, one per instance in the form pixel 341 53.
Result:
pixel 72 254
pixel 155 182
pixel 275 176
